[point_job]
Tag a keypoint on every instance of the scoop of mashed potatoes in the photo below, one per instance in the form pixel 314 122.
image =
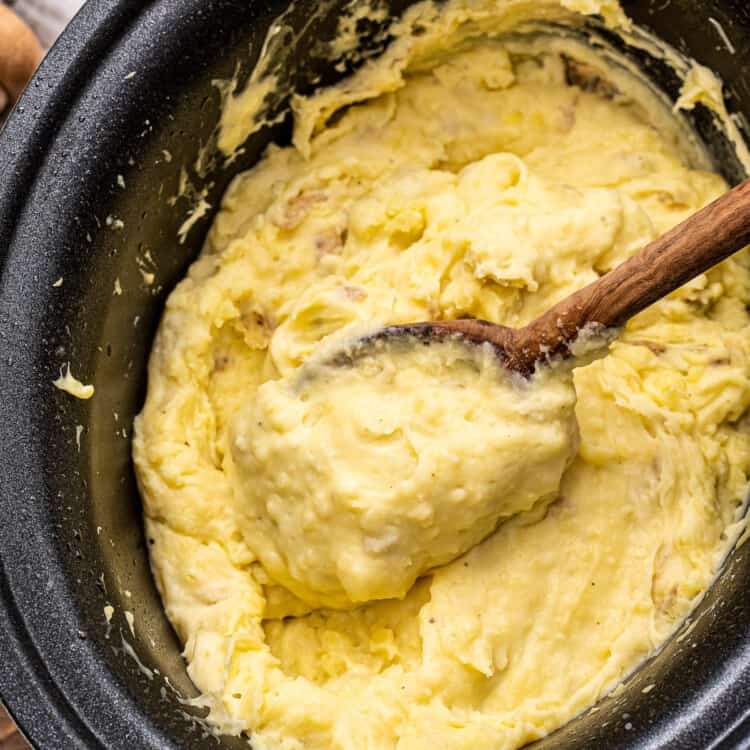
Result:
pixel 478 175
pixel 353 480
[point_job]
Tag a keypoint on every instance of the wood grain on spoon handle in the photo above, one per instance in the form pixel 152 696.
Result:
pixel 689 249
pixel 686 251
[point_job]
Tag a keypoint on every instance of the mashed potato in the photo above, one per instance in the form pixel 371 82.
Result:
pixel 489 178
pixel 352 480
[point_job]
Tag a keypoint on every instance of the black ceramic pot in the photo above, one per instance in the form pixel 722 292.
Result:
pixel 71 538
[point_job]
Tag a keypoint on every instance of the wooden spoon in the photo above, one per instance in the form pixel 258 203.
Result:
pixel 686 251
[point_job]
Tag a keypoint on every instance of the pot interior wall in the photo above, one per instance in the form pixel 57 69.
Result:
pixel 137 118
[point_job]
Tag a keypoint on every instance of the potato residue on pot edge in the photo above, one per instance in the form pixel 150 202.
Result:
pixel 484 177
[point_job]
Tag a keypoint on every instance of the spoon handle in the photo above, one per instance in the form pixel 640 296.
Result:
pixel 686 251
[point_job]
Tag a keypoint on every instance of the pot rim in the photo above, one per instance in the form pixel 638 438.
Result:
pixel 40 707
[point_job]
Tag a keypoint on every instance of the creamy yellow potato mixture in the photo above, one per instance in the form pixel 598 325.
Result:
pixel 353 479
pixel 488 179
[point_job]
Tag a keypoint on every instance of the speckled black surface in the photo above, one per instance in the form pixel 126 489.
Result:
pixel 70 538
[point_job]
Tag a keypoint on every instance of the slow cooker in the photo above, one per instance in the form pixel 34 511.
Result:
pixel 90 172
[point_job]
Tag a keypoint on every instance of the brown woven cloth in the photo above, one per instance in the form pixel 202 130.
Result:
pixel 46 17
pixel 10 739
